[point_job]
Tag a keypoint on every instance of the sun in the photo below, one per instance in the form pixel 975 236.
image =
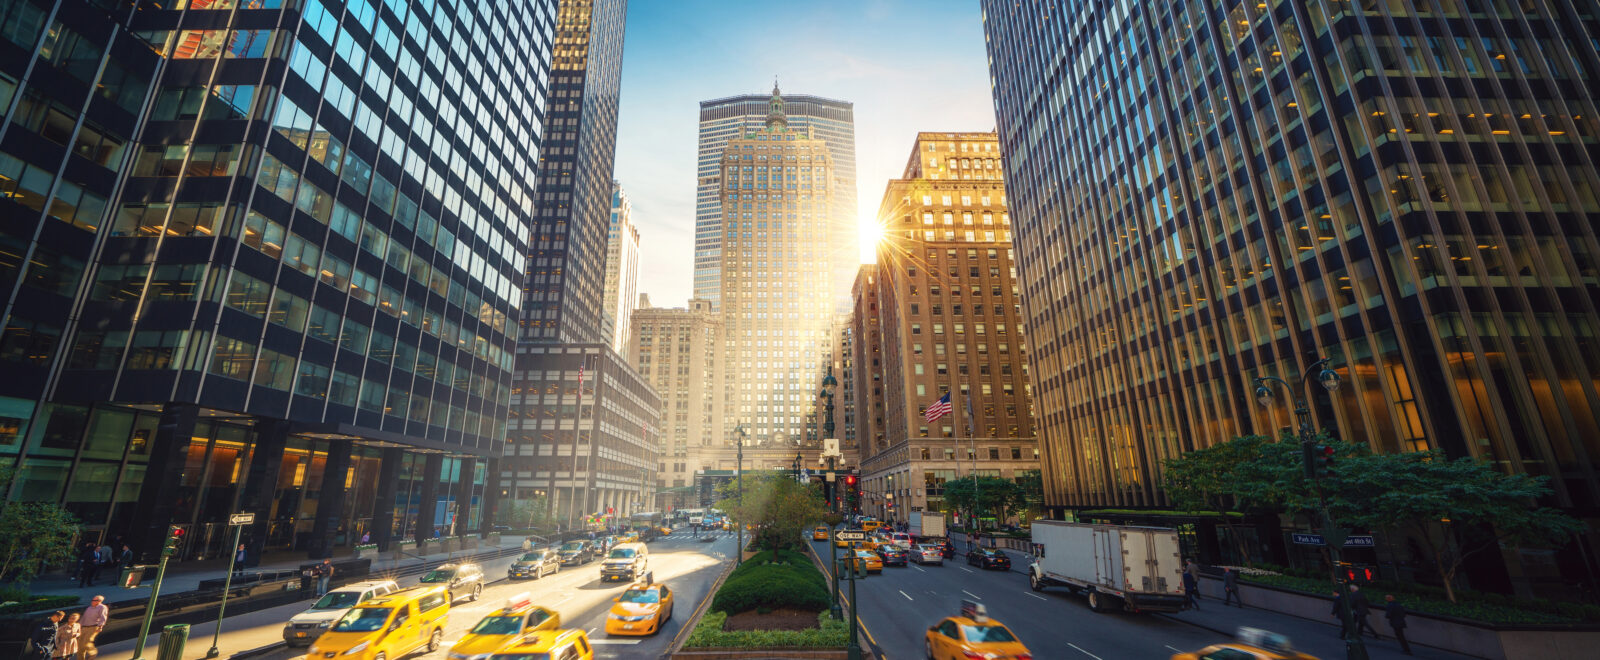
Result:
pixel 869 233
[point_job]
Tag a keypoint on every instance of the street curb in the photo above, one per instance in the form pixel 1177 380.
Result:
pixel 694 619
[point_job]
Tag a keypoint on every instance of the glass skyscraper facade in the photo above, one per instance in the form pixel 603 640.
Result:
pixel 1209 191
pixel 264 256
pixel 734 117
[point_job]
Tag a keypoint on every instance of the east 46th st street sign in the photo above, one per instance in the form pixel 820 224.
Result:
pixel 1356 541
pixel 843 535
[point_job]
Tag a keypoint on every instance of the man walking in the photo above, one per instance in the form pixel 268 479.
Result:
pixel 324 572
pixel 239 556
pixel 1396 614
pixel 1191 586
pixel 94 620
pixel 88 564
pixel 1338 600
pixel 1360 607
pixel 43 639
pixel 1230 587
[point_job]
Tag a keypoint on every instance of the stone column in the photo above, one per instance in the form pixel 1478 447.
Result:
pixel 169 451
pixel 261 483
pixel 330 501
pixel 388 484
pixel 463 495
pixel 430 497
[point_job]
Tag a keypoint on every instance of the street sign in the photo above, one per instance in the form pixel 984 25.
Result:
pixel 242 519
pixel 1356 541
pixel 830 476
pixel 844 535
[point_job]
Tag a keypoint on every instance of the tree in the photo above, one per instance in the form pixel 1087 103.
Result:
pixel 991 495
pixel 33 535
pixel 776 508
pixel 1204 480
pixel 532 513
pixel 1417 491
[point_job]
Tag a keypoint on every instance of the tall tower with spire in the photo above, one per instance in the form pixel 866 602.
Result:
pixel 776 120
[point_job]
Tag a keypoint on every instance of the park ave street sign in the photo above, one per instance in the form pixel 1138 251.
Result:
pixel 1356 541
pixel 845 535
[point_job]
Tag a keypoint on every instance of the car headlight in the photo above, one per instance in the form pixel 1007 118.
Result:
pixel 325 624
pixel 356 649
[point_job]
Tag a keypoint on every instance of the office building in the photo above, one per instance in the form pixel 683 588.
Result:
pixel 1222 191
pixel 622 272
pixel 675 350
pixel 269 265
pixel 943 296
pixel 734 117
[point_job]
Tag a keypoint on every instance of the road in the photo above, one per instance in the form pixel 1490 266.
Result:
pixel 679 560
pixel 898 607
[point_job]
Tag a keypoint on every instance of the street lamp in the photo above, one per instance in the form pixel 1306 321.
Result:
pixel 739 474
pixel 828 383
pixel 797 467
pixel 1332 536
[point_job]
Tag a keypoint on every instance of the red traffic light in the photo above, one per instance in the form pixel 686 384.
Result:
pixel 850 480
pixel 177 532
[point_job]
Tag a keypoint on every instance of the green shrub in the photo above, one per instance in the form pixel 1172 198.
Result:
pixel 38 603
pixel 1474 605
pixel 772 585
pixel 709 634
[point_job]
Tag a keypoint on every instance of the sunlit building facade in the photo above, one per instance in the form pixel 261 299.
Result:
pixel 273 265
pixel 1208 192
pixel 622 272
pixel 676 351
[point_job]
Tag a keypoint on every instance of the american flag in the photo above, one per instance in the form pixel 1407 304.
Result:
pixel 939 409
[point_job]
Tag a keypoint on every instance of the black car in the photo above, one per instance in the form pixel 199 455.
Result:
pixel 463 580
pixel 989 558
pixel 574 553
pixel 535 564
pixel 892 555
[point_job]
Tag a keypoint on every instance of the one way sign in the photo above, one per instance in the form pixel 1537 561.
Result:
pixel 847 535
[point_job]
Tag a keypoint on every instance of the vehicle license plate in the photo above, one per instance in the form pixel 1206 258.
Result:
pixel 299 634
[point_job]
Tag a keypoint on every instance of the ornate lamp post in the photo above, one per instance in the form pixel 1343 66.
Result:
pixel 1332 535
pixel 828 383
pixel 739 475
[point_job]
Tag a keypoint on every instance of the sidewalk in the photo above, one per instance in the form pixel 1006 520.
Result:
pixel 186 576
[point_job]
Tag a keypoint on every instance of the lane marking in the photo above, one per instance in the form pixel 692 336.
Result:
pixel 919 569
pixel 965 569
pixel 971 594
pixel 598 642
pixel 1096 657
pixel 1043 598
pixel 903 593
pixel 1170 647
pixel 591 631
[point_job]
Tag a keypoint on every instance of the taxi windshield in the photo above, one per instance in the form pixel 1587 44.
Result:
pixel 440 575
pixel 622 553
pixel 338 600
pixel 641 596
pixel 571 546
pixel 987 634
pixel 365 619
pixel 498 625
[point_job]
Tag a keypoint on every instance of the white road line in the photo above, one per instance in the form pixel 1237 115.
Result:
pixel 591 631
pixel 919 568
pixel 598 642
pixel 903 593
pixel 1043 598
pixel 1170 647
pixel 971 594
pixel 1096 657
pixel 965 569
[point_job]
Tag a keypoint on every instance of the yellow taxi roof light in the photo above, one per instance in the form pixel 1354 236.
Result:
pixel 519 601
pixel 975 611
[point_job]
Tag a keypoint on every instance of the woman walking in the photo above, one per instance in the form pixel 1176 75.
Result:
pixel 67 637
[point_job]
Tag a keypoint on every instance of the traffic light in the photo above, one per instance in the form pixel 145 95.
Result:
pixel 850 480
pixel 1324 458
pixel 174 539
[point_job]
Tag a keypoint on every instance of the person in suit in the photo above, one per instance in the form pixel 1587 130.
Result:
pixel 1396 614
pixel 1230 587
pixel 1338 602
pixel 43 640
pixel 1361 607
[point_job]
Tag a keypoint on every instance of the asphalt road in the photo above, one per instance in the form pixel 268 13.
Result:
pixel 898 607
pixel 679 560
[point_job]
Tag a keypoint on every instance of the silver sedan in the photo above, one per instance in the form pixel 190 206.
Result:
pixel 926 554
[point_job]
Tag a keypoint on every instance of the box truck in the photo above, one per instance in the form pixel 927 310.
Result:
pixel 1136 567
pixel 924 523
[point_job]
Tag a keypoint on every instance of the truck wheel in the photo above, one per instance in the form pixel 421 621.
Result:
pixel 1096 601
pixel 1033 581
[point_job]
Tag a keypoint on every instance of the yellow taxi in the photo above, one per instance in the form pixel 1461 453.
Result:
pixel 504 627
pixel 628 537
pixel 819 534
pixel 545 644
pixel 388 627
pixel 1251 644
pixel 870 526
pixel 869 561
pixel 973 635
pixel 642 609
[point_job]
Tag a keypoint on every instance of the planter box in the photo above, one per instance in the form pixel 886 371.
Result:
pixel 467 543
pixel 1472 638
pixel 766 654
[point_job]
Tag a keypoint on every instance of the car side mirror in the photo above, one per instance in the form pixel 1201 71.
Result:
pixel 618 599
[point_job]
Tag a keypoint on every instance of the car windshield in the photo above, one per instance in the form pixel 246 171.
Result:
pixel 572 546
pixel 338 600
pixel 532 556
pixel 441 575
pixel 365 619
pixel 621 553
pixel 498 625
pixel 987 634
pixel 641 596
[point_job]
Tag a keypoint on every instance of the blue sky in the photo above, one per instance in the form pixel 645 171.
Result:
pixel 908 67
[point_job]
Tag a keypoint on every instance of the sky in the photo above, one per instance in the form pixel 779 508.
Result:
pixel 908 66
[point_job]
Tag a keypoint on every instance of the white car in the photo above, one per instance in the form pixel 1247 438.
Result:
pixel 927 554
pixel 305 627
pixel 901 539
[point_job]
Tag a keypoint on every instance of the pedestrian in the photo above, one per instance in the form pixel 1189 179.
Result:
pixel 366 537
pixel 1192 570
pixel 1396 614
pixel 1360 607
pixel 126 561
pixel 1338 602
pixel 527 544
pixel 94 620
pixel 1191 589
pixel 105 559
pixel 67 637
pixel 88 559
pixel 43 639
pixel 238 559
pixel 1230 587
pixel 324 572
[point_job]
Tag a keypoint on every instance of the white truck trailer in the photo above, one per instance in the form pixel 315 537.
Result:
pixel 925 523
pixel 1138 567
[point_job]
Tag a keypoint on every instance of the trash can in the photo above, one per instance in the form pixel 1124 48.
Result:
pixel 132 576
pixel 173 639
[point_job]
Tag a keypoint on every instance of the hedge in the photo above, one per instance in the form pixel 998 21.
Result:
pixel 785 579
pixel 40 603
pixel 829 633
pixel 1473 605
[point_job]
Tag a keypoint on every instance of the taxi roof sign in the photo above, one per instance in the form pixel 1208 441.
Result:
pixel 975 611
pixel 518 601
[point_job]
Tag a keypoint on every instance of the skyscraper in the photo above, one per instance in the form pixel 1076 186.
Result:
pixel 271 265
pixel 675 350
pixel 1221 191
pixel 622 271
pixel 944 313
pixel 777 201
pixel 734 117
